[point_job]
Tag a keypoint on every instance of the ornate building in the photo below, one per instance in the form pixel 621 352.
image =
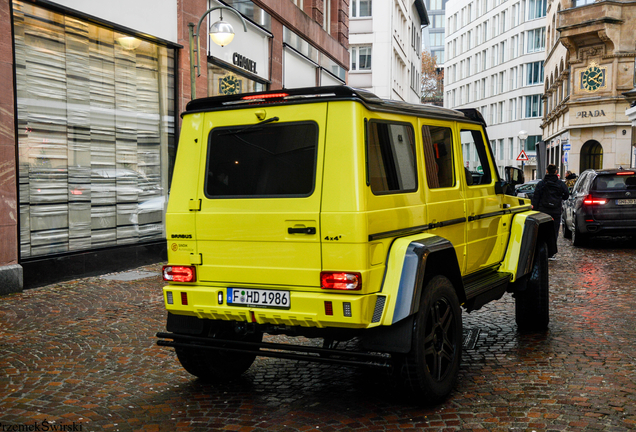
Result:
pixel 589 64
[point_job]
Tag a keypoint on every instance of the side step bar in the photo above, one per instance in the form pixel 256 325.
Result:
pixel 285 351
pixel 485 287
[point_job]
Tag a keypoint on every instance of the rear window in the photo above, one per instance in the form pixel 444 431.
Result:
pixel 273 160
pixel 615 181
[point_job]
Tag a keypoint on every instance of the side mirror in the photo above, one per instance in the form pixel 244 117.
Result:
pixel 514 175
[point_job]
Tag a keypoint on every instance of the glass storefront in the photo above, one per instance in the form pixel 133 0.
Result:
pixel 95 130
pixel 223 81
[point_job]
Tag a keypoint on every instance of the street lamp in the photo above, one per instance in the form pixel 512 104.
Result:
pixel 523 135
pixel 221 34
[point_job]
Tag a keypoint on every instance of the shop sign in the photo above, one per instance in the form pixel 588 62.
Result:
pixel 595 113
pixel 244 63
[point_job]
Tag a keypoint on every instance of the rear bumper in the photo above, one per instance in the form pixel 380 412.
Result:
pixel 608 228
pixel 307 308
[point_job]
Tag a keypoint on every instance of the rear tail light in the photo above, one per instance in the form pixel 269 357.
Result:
pixel 625 173
pixel 265 96
pixel 341 281
pixel 590 200
pixel 179 273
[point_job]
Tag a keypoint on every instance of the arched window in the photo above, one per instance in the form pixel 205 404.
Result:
pixel 591 156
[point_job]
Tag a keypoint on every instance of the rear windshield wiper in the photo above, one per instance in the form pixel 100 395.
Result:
pixel 249 127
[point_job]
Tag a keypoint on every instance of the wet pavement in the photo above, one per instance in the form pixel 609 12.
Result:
pixel 82 355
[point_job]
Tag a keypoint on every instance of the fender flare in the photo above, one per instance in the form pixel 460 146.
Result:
pixel 409 264
pixel 526 229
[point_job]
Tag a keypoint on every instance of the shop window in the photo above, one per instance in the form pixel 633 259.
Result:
pixel 222 81
pixel 95 131
pixel 391 157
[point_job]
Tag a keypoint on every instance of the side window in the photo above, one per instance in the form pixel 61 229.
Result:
pixel 391 157
pixel 476 166
pixel 578 186
pixel 438 156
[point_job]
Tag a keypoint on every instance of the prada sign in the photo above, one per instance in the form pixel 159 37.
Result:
pixel 244 63
pixel 595 113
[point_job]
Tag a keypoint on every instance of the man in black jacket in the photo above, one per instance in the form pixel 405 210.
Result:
pixel 547 198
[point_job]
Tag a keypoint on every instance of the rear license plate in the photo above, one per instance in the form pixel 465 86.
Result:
pixel 625 201
pixel 258 298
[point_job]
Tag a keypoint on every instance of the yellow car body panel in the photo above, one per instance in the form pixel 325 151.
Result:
pixel 250 242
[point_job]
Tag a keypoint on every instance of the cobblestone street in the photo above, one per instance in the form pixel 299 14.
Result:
pixel 83 354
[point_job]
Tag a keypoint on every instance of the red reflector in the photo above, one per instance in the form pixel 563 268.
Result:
pixel 625 173
pixel 184 299
pixel 179 273
pixel 328 308
pixel 590 200
pixel 266 96
pixel 340 280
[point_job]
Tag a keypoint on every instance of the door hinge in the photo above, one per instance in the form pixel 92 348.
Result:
pixel 195 205
pixel 196 259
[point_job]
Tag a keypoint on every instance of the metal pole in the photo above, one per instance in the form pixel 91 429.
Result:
pixel 193 84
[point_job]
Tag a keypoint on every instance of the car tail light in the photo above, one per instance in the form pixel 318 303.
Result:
pixel 341 281
pixel 265 96
pixel 590 200
pixel 625 173
pixel 179 273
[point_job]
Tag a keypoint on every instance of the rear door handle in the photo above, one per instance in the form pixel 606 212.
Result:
pixel 308 230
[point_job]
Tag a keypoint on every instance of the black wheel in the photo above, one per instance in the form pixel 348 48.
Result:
pixel 532 304
pixel 218 366
pixel 566 231
pixel 578 238
pixel 430 369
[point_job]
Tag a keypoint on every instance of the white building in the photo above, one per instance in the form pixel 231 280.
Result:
pixel 385 39
pixel 494 62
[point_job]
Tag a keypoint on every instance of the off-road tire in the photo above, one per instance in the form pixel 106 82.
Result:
pixel 215 366
pixel 430 369
pixel 532 304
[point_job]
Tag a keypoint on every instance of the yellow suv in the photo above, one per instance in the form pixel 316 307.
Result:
pixel 330 213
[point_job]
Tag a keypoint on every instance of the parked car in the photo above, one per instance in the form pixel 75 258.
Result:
pixel 330 213
pixel 526 190
pixel 602 203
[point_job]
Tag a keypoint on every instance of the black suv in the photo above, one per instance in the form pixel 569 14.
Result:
pixel 602 203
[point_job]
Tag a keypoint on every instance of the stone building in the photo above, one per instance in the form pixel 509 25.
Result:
pixel 589 64
pixel 89 115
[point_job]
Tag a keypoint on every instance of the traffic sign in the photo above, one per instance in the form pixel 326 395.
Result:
pixel 522 156
pixel 567 147
pixel 565 158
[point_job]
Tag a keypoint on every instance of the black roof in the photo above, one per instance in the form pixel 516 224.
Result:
pixel 327 94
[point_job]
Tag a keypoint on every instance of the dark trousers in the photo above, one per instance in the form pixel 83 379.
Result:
pixel 556 220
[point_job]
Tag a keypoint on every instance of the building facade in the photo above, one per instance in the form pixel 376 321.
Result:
pixel 433 36
pixel 494 63
pixel 385 40
pixel 90 116
pixel 589 65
